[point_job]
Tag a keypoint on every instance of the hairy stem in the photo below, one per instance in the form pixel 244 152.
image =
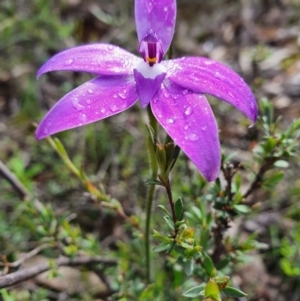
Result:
pixel 154 169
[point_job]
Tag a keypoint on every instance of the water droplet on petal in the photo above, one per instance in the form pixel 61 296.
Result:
pixel 208 63
pixel 77 105
pixel 203 128
pixel 113 108
pixel 170 120
pixel 252 105
pixel 82 117
pixel 69 62
pixel 184 92
pixel 88 101
pixel 149 6
pixel 166 94
pixel 188 111
pixel 193 137
pixel 102 111
pixel 122 95
pixel 110 47
pixel 165 8
pixel 90 91
pixel 230 94
pixel 186 126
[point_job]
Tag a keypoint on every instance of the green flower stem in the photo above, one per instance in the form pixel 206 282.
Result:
pixel 154 170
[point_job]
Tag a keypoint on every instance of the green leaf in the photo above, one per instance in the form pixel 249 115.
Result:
pixel 222 264
pixel 233 292
pixel 152 135
pixel 154 182
pixel 273 180
pixel 281 164
pixel 162 237
pixel 238 182
pixel 161 247
pixel 178 208
pixel 188 267
pixel 211 289
pixel 194 291
pixel 208 265
pixel 164 209
pixel 292 128
pixel 169 222
pixel 242 208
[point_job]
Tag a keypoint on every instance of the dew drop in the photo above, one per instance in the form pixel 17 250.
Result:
pixel 186 126
pixel 90 91
pixel 208 63
pixel 188 111
pixel 88 101
pixel 69 62
pixel 193 137
pixel 166 95
pixel 203 128
pixel 110 47
pixel 165 8
pixel 170 120
pixel 115 96
pixel 185 92
pixel 82 117
pixel 122 95
pixel 102 111
pixel 77 105
pixel 113 108
pixel 219 76
pixel 149 6
pixel 230 94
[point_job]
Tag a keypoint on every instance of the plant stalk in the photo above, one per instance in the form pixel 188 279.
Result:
pixel 154 170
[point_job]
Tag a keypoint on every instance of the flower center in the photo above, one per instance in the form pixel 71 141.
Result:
pixel 151 48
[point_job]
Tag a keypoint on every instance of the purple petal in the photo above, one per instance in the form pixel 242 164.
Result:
pixel 148 81
pixel 97 99
pixel 101 59
pixel 158 16
pixel 189 120
pixel 205 76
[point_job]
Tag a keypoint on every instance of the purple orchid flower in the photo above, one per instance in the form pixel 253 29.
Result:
pixel 173 88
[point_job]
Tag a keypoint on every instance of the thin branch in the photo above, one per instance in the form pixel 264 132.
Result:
pixel 25 257
pixel 266 165
pixel 14 181
pixel 28 273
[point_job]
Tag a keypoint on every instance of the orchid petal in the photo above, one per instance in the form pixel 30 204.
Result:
pixel 157 16
pixel 189 120
pixel 205 76
pixel 148 80
pixel 102 59
pixel 92 101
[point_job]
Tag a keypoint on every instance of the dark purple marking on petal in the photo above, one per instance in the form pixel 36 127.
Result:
pixel 102 59
pixel 158 16
pixel 206 76
pixel 189 120
pixel 90 102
